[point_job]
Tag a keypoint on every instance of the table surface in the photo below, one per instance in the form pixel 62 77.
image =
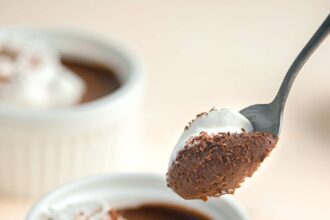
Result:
pixel 201 54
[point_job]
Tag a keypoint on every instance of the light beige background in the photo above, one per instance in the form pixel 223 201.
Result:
pixel 201 54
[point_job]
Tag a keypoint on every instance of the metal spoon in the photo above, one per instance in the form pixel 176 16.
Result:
pixel 268 117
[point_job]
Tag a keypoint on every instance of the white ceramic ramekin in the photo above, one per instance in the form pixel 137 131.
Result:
pixel 41 149
pixel 129 190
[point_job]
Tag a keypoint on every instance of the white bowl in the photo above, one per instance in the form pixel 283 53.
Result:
pixel 128 190
pixel 41 149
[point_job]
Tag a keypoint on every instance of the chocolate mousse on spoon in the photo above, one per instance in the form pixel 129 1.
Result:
pixel 220 148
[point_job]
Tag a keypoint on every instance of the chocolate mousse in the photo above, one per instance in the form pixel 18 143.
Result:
pixel 100 80
pixel 216 164
pixel 35 75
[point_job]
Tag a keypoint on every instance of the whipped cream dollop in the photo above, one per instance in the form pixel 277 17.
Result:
pixel 31 75
pixel 87 211
pixel 212 122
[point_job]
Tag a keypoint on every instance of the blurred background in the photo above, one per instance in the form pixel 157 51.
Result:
pixel 214 53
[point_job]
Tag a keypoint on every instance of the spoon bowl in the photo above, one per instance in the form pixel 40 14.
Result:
pixel 264 117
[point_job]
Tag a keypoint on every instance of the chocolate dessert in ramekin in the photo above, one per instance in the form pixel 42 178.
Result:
pixel 66 98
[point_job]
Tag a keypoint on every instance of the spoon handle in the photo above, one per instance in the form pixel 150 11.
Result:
pixel 300 60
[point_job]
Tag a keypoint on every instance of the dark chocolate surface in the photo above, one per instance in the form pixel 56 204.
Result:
pixel 161 212
pixel 100 80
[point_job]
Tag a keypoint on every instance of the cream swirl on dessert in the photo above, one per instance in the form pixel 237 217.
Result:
pixel 212 122
pixel 31 75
